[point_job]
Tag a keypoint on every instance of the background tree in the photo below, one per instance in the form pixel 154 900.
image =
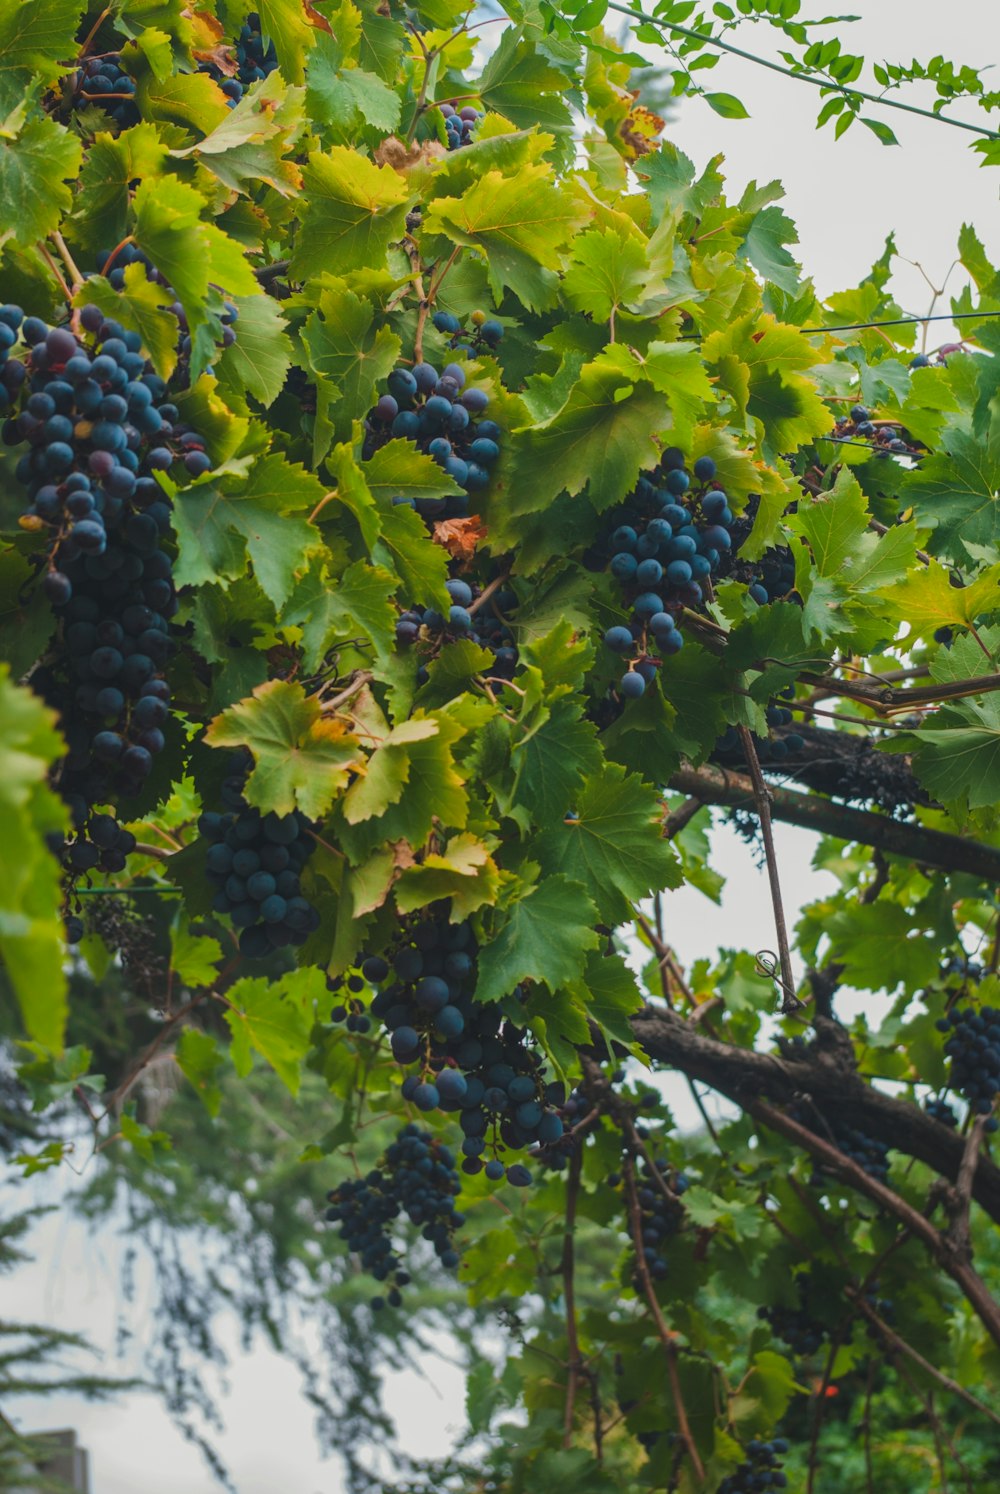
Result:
pixel 428 498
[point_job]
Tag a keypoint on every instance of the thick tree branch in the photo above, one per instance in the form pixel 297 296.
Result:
pixel 744 1077
pixel 930 848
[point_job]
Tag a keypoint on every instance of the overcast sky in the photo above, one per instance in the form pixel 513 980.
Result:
pixel 845 199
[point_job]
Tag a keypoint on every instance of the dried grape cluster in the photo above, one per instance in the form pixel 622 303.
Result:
pixel 415 1178
pixel 858 428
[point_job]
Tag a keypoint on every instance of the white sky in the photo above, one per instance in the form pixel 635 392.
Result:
pixel 845 197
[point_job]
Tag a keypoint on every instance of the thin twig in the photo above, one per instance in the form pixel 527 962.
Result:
pixel 159 853
pixel 567 1268
pixel 789 1002
pixel 666 1337
pixel 824 83
pixel 900 1346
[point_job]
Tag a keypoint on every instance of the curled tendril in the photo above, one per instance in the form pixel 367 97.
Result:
pixel 766 964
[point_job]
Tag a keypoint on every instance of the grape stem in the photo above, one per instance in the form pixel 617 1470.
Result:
pixel 361 679
pixel 67 293
pixel 487 592
pixel 567 1271
pixel 762 797
pixel 76 279
pixel 966 1278
pixel 667 1338
pixel 93 32
pixel 109 262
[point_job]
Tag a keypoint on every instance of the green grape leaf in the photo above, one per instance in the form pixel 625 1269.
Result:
pixel 926 599
pixel 764 247
pixel 882 946
pixel 221 527
pixel 347 98
pixel 958 759
pixel 194 957
pixel 109 166
pixel 203 1062
pixel 302 759
pixel 522 84
pixel 551 762
pixel 435 796
pixel 291 25
pixel 520 224
pixel 249 144
pixel 463 872
pixel 955 491
pixel 608 847
pixel 328 610
pixel 34 167
pixel 386 773
pixel 35 38
pixel 421 566
pixel 600 440
pixel 609 271
pixel 609 994
pixel 352 211
pixel 190 254
pixel 261 356
pixel 193 100
pixel 349 355
pixel 31 936
pixel 544 937
pixel 274 1017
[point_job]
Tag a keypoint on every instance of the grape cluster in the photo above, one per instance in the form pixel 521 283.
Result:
pixel 471 1058
pixel 797 1326
pixel 254 61
pixel 940 1110
pixel 485 627
pixel 770 750
pixel 667 542
pixel 255 862
pixel 481 336
pixel 98 426
pixel 460 124
pixel 762 1470
pixel 870 1155
pixel 438 413
pixel 974 1049
pixel 416 1177
pixel 660 1211
pixel 103 81
pixel 883 438
pixel 773 576
pixel 113 269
